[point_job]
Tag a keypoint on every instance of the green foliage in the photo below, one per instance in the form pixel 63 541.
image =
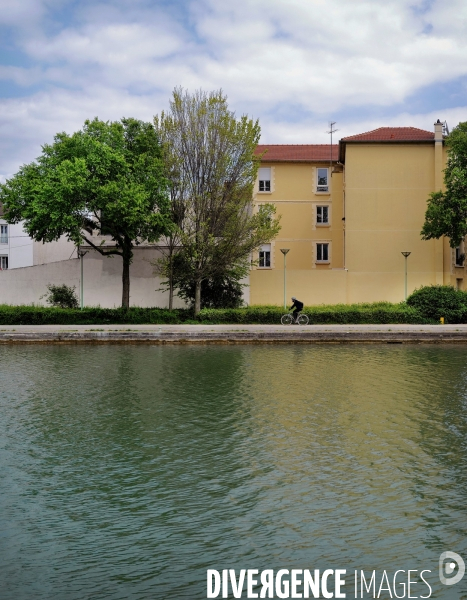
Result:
pixel 436 301
pixel 211 165
pixel 113 167
pixel 447 211
pixel 63 296
pixel 216 292
pixel 219 291
pixel 39 315
pixel 378 313
pixel 107 178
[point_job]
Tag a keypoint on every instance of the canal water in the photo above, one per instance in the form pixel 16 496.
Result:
pixel 128 471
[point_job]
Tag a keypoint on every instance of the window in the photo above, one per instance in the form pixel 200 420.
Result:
pixel 322 180
pixel 322 252
pixel 322 215
pixel 460 256
pixel 264 174
pixel 3 263
pixel 3 234
pixel 265 256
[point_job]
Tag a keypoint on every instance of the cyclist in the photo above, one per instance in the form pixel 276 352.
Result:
pixel 297 306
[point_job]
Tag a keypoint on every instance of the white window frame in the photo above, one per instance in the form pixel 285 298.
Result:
pixel 3 234
pixel 265 257
pixel 3 263
pixel 322 189
pixel 327 210
pixel 323 261
pixel 264 183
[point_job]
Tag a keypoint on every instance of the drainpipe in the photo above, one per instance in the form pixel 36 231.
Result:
pixel 439 244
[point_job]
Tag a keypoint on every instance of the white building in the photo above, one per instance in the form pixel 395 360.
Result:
pixel 17 249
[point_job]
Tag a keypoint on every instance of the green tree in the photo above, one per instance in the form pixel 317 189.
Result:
pixel 447 211
pixel 212 168
pixel 220 291
pixel 107 178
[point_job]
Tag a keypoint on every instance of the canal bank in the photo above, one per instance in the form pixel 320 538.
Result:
pixel 232 334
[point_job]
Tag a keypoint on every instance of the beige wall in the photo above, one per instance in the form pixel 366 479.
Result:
pixel 294 195
pixel 386 192
pixel 102 281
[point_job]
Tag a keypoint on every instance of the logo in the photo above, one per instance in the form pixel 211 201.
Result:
pixel 449 562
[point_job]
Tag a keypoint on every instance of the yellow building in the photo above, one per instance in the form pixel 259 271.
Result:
pixel 347 217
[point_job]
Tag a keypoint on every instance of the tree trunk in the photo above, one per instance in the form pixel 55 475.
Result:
pixel 126 280
pixel 171 280
pixel 197 298
pixel 171 295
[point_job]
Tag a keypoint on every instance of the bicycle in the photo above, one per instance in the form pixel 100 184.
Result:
pixel 288 319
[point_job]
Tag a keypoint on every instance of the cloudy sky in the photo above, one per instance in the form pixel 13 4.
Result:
pixel 294 64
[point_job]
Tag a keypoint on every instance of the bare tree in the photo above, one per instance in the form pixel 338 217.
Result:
pixel 212 167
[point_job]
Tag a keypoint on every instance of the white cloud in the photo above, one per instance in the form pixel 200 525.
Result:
pixel 306 59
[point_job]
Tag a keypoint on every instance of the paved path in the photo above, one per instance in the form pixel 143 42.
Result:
pixel 233 334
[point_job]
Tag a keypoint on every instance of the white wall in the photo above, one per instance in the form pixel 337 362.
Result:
pixel 102 281
pixel 62 249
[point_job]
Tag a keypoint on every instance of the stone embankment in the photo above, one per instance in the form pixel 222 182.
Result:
pixel 232 334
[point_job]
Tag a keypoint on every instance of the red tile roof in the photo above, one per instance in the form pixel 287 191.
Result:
pixel 392 134
pixel 298 152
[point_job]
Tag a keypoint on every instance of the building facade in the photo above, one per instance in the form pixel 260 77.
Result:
pixel 347 217
pixel 18 250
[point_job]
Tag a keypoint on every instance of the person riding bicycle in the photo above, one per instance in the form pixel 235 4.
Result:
pixel 298 306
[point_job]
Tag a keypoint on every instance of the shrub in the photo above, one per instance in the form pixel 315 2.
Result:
pixel 62 296
pixel 40 315
pixel 435 301
pixel 377 313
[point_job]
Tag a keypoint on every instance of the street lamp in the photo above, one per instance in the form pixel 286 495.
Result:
pixel 405 255
pixel 284 252
pixel 81 254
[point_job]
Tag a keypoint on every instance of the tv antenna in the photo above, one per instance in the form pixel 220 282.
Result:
pixel 331 131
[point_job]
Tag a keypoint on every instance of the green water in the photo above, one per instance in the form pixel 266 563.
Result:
pixel 128 471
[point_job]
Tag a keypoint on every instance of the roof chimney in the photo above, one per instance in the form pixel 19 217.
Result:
pixel 438 131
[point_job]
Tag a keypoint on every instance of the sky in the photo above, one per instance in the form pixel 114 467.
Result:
pixel 296 65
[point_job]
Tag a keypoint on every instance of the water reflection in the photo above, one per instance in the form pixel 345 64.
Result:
pixel 131 470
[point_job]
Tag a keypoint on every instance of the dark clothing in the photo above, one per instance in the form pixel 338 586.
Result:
pixel 298 306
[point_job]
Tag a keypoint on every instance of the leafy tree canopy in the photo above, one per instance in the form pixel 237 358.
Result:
pixel 107 178
pixel 212 166
pixel 447 211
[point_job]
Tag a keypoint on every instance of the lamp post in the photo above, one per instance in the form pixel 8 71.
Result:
pixel 81 254
pixel 405 255
pixel 284 252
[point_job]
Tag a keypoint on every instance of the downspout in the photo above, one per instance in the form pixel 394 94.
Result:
pixel 439 244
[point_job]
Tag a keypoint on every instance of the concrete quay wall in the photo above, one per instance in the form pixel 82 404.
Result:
pixel 225 334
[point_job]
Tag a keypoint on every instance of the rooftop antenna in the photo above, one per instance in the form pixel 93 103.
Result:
pixel 445 128
pixel 331 131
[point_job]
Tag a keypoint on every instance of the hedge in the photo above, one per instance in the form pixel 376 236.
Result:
pixel 377 313
pixel 346 314
pixel 39 315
